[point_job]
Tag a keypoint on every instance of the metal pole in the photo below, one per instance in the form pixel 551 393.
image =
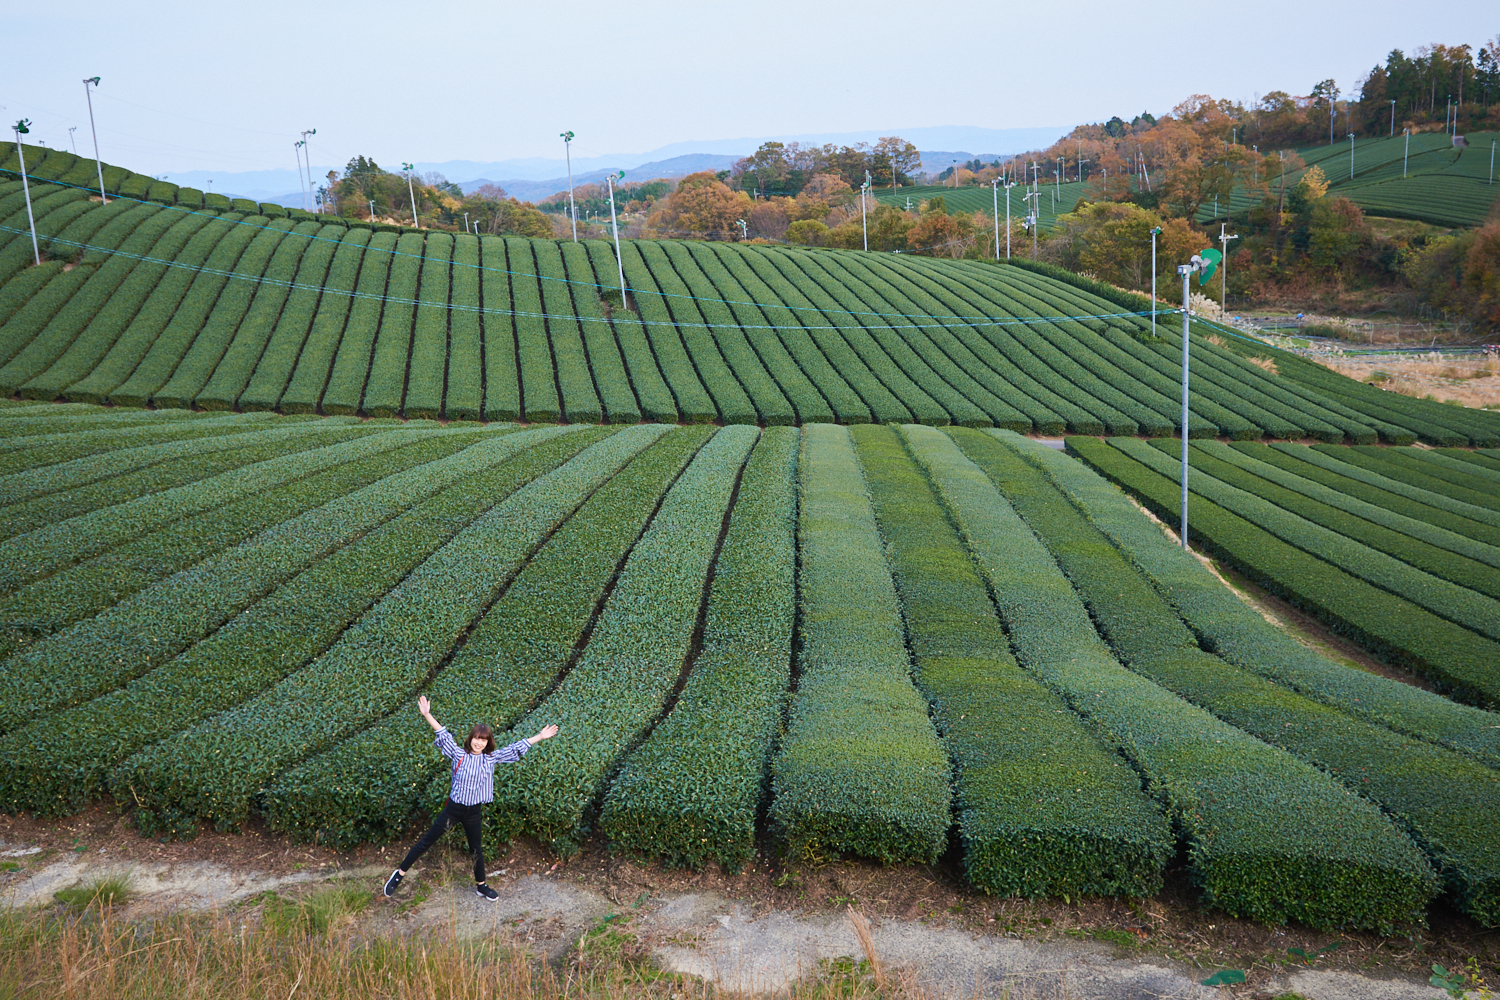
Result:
pixel 73 139
pixel 307 151
pixel 1393 118
pixel 1492 161
pixel 1154 233
pixel 93 81
pixel 297 150
pixel 863 226
pixel 1185 270
pixel 995 199
pixel 372 209
pixel 1406 153
pixel 1224 266
pixel 20 128
pixel 1013 184
pixel 408 167
pixel 1351 156
pixel 567 138
pixel 616 226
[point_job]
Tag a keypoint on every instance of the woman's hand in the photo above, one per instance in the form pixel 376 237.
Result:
pixel 546 734
pixel 423 705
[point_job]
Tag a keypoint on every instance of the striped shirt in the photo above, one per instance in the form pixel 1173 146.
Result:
pixel 474 773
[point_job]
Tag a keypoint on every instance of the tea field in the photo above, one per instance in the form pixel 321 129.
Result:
pixel 148 304
pixel 887 641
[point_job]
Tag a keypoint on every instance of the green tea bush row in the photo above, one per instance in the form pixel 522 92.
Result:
pixel 1473 566
pixel 166 348
pixel 351 360
pixel 261 643
pixel 1043 809
pixel 1270 508
pixel 1435 792
pixel 251 355
pixel 1393 464
pixel 860 770
pixel 729 396
pixel 115 312
pixel 259 385
pixel 608 385
pixel 1267 836
pixel 1392 627
pixel 134 232
pixel 540 389
pixel 821 312
pixel 902 370
pixel 386 382
pixel 162 290
pixel 632 664
pixel 247 304
pixel 1122 352
pixel 806 399
pixel 1260 460
pixel 428 369
pixel 375 664
pixel 165 618
pixel 574 375
pixel 1228 628
pixel 682 274
pixel 692 791
pixel 1070 378
pixel 91 468
pixel 369 786
pixel 502 377
pixel 315 361
pixel 775 294
pixel 1388 494
pixel 463 399
pixel 88 588
pixel 591 264
pixel 30 515
pixel 268 640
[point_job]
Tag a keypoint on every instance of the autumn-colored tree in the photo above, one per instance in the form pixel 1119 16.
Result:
pixel 702 205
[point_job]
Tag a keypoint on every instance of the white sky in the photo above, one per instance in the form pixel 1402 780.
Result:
pixel 228 87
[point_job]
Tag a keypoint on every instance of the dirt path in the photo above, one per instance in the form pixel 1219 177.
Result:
pixel 755 932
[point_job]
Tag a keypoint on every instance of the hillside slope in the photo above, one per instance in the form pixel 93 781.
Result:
pixel 144 303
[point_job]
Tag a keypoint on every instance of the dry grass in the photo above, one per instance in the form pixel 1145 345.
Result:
pixel 257 951
pixel 1269 364
pixel 1465 381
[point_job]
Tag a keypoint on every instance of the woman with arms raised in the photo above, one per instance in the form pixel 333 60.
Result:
pixel 473 785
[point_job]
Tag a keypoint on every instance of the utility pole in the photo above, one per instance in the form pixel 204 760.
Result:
pixel 619 260
pixel 20 128
pixel 88 93
pixel 1224 274
pixel 1155 232
pixel 567 138
pixel 1393 118
pixel 1351 156
pixel 1205 263
pixel 72 139
pixel 1011 184
pixel 372 209
pixel 307 152
pixel 412 194
pixel 1405 153
pixel 863 225
pixel 297 149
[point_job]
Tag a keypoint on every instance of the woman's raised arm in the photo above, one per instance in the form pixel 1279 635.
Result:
pixel 425 707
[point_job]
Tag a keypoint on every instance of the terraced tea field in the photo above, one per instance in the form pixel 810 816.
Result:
pixel 874 640
pixel 1056 199
pixel 1443 185
pixel 147 304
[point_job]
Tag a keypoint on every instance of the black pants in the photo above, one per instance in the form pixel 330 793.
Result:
pixel 452 813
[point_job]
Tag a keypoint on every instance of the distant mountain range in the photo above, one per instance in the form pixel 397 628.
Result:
pixel 533 178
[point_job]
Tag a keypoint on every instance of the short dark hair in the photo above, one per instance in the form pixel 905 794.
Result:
pixel 480 732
